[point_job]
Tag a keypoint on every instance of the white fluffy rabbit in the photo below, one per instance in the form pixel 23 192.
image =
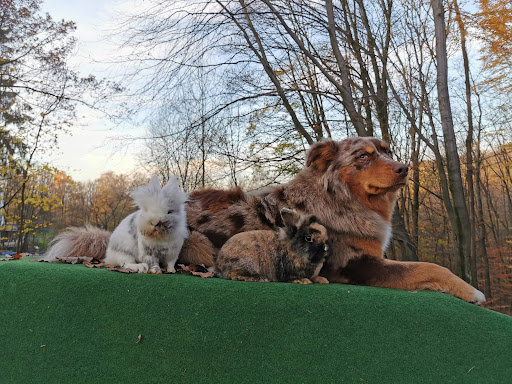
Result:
pixel 150 239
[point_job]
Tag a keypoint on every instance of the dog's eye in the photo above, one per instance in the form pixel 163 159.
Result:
pixel 364 156
pixel 308 239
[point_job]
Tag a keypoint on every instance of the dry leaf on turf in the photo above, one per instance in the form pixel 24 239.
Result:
pixel 12 257
pixel 139 338
pixel 195 270
pixel 111 267
pixel 93 265
pixel 75 260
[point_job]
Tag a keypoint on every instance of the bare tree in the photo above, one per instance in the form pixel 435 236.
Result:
pixel 459 217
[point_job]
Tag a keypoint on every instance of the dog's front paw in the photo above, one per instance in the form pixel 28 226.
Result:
pixel 479 297
pixel 170 269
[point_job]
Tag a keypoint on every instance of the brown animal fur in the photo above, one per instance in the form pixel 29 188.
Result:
pixel 294 253
pixel 79 242
pixel 351 187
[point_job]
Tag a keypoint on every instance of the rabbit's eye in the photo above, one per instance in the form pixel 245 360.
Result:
pixel 308 239
pixel 169 212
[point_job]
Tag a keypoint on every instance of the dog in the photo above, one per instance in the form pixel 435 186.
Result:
pixel 351 186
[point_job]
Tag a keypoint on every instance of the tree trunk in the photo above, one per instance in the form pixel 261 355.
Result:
pixel 469 147
pixel 20 241
pixel 402 247
pixel 462 228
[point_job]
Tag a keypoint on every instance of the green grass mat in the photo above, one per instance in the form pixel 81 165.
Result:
pixel 64 323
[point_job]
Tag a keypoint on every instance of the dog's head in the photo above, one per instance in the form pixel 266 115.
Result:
pixel 364 164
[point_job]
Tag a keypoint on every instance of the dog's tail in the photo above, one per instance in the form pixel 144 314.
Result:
pixel 79 242
pixel 198 250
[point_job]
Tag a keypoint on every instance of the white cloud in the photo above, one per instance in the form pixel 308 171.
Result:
pixel 89 151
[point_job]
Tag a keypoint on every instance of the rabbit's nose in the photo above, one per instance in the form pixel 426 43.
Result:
pixel 154 222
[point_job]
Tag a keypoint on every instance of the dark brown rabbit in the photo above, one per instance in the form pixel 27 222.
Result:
pixel 294 253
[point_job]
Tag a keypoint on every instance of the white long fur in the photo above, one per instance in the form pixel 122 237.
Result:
pixel 132 248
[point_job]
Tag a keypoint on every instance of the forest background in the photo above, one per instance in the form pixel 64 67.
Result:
pixel 232 93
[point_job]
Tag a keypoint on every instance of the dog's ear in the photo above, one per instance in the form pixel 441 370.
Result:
pixel 321 154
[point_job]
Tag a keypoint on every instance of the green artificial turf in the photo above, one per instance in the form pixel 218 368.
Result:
pixel 63 323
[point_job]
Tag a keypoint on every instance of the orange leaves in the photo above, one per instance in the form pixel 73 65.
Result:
pixel 195 270
pixel 93 265
pixel 495 22
pixel 7 257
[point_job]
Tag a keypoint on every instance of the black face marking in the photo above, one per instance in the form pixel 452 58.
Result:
pixel 317 252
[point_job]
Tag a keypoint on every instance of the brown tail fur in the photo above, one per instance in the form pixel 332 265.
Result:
pixel 79 242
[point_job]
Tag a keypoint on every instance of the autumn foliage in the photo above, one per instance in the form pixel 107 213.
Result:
pixel 495 22
pixel 435 240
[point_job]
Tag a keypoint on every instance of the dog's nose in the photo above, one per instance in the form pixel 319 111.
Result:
pixel 401 169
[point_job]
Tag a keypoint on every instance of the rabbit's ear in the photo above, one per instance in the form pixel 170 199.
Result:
pixel 172 185
pixel 172 190
pixel 290 217
pixel 154 183
pixel 145 194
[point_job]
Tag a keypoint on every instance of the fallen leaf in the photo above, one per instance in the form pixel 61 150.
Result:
pixel 195 270
pixel 93 265
pixel 115 269
pixel 204 275
pixel 17 256
pixel 75 260
pixel 182 268
pixel 139 338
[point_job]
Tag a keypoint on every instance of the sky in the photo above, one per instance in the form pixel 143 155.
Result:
pixel 88 150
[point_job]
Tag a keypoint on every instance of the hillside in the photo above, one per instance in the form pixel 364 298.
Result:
pixel 65 323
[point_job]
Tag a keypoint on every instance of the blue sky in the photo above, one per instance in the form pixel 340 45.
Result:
pixel 88 151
